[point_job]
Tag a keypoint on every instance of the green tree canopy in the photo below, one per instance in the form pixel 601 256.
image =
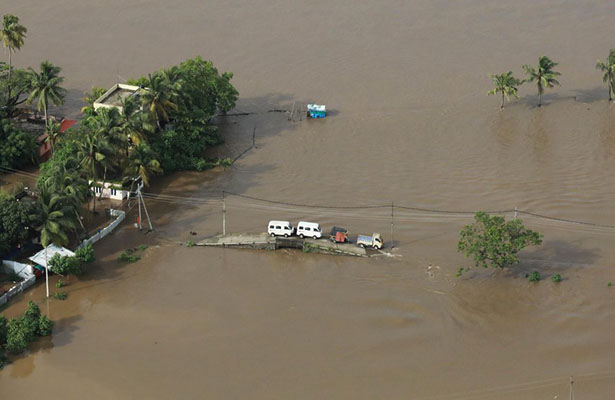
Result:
pixel 14 222
pixel 506 84
pixel 543 75
pixel 490 240
pixel 46 85
pixel 17 148
pixel 608 68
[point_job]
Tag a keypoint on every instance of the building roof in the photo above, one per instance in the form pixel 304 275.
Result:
pixel 112 97
pixel 41 258
pixel 65 124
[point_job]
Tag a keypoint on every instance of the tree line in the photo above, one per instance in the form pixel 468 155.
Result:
pixel 544 76
pixel 164 126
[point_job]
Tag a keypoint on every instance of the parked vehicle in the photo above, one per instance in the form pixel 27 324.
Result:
pixel 375 241
pixel 280 228
pixel 339 235
pixel 309 229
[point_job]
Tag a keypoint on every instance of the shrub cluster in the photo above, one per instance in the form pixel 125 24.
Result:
pixel 16 333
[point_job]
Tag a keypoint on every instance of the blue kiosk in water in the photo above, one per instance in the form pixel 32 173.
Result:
pixel 317 111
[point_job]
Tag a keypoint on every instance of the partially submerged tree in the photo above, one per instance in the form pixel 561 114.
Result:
pixel 493 241
pixel 608 68
pixel 506 84
pixel 543 74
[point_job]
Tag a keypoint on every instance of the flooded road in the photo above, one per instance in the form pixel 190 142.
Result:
pixel 409 124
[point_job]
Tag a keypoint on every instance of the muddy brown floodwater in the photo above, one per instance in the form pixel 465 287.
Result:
pixel 410 123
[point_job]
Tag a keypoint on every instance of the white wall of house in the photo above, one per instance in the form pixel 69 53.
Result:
pixel 110 190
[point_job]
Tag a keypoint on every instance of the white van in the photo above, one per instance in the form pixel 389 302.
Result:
pixel 280 228
pixel 309 229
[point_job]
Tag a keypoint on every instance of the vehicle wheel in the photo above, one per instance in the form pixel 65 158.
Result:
pixel 286 235
pixel 314 237
pixel 301 236
pixel 375 247
pixel 362 245
pixel 272 234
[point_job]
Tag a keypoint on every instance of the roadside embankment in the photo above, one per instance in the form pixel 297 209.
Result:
pixel 262 241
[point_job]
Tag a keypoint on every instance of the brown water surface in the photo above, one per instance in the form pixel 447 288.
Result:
pixel 410 123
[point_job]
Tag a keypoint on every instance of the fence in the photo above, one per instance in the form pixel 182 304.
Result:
pixel 23 271
pixel 107 229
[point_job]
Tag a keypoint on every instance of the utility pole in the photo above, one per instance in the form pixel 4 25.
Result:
pixel 142 201
pixel 139 201
pixel 223 214
pixel 149 221
pixel 515 212
pixel 392 214
pixel 571 389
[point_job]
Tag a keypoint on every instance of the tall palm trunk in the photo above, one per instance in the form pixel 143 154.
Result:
pixel 45 109
pixel 94 183
pixel 8 93
pixel 502 104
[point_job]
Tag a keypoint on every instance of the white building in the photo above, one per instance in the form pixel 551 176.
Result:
pixel 110 190
pixel 114 96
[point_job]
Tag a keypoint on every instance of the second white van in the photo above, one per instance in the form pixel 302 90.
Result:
pixel 280 228
pixel 309 229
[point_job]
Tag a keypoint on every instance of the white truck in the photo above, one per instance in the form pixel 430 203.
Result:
pixel 375 241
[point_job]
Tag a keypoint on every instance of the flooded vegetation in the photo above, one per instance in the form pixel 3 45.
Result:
pixel 408 123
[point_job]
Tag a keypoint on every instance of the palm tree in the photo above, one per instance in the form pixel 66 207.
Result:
pixel 506 84
pixel 46 86
pixel 158 99
pixel 544 75
pixel 66 180
pixel 54 219
pixel 90 97
pixel 609 72
pixel 12 35
pixel 134 123
pixel 53 131
pixel 92 151
pixel 142 163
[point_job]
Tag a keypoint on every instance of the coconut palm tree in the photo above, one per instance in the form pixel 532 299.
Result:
pixel 12 34
pixel 90 97
pixel 92 152
pixel 52 131
pixel 609 72
pixel 506 84
pixel 66 180
pixel 54 219
pixel 142 163
pixel 543 74
pixel 158 99
pixel 46 86
pixel 134 123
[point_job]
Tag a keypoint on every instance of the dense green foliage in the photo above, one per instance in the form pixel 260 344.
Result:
pixel 534 277
pixel 85 254
pixel 505 84
pixel 543 75
pixel 75 265
pixel 493 241
pixel 17 148
pixel 14 222
pixel 16 333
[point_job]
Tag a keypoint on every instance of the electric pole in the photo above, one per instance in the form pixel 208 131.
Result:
pixel 223 214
